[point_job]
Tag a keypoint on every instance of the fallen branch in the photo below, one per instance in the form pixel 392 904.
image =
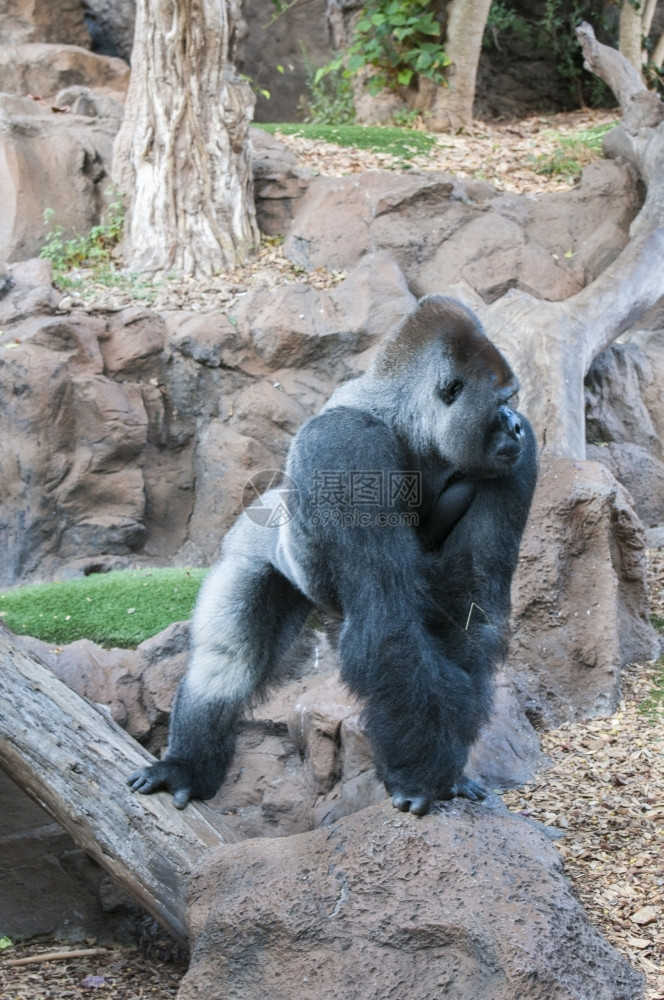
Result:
pixel 74 760
pixel 55 956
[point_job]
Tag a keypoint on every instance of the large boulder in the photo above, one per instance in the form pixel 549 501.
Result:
pixel 470 903
pixel 625 419
pixel 62 21
pixel 442 231
pixel 59 162
pixel 580 598
pixel 43 70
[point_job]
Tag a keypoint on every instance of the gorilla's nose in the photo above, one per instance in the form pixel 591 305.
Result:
pixel 510 422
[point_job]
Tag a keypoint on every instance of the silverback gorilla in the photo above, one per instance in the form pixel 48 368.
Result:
pixel 414 486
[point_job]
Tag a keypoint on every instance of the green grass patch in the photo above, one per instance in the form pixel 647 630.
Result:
pixel 122 608
pixel 400 142
pixel 652 707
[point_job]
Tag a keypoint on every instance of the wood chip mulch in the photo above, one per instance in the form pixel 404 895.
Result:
pixel 605 789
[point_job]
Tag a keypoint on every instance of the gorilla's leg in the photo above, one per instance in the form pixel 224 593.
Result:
pixel 246 619
pixel 421 708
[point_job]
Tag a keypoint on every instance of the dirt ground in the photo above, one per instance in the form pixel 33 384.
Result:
pixel 605 784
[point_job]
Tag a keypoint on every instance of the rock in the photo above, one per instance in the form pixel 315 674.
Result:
pixel 295 325
pixel 579 595
pixel 625 420
pixel 640 473
pixel 28 290
pixel 614 387
pixel 43 70
pixel 49 886
pixel 279 184
pixel 111 26
pixel 61 22
pixel 48 161
pixel 442 231
pixel 655 537
pixel 84 101
pixel 469 903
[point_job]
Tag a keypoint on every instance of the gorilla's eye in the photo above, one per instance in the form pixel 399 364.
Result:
pixel 450 391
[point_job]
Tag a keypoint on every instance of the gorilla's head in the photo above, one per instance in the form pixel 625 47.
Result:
pixel 444 388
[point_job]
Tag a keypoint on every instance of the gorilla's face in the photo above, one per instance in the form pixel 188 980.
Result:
pixel 454 389
pixel 477 428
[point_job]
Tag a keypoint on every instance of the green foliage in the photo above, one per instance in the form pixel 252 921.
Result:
pixel 399 39
pixel 329 98
pixel 400 142
pixel 93 249
pixel 652 707
pixel 122 608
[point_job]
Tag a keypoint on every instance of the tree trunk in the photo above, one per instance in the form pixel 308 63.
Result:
pixel 182 157
pixel 452 106
pixel 630 35
pixel 74 761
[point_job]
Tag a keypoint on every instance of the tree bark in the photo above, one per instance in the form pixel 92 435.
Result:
pixel 630 32
pixel 182 157
pixel 452 106
pixel 74 760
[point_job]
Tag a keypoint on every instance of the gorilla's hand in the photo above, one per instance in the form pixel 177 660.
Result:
pixel 177 778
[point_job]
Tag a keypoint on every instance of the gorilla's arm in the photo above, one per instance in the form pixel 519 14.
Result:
pixel 448 495
pixel 246 619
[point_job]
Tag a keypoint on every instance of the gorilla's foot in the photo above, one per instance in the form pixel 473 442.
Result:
pixel 420 804
pixel 179 779
pixel 416 804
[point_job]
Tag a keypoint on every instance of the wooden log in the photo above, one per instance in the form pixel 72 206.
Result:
pixel 74 760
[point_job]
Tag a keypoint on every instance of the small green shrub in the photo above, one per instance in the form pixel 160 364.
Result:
pixel 122 608
pixel 329 99
pixel 92 250
pixel 573 154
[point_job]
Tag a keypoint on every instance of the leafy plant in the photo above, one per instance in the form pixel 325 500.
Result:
pixel 122 608
pixel 93 249
pixel 329 99
pixel 573 154
pixel 399 39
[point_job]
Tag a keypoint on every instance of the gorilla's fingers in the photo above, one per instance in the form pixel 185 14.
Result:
pixel 468 789
pixel 142 781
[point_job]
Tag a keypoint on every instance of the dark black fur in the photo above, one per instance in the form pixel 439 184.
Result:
pixel 424 606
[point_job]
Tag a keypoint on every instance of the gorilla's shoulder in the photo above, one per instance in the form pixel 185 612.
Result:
pixel 348 434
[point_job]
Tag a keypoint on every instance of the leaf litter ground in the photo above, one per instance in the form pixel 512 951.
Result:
pixel 604 786
pixel 531 156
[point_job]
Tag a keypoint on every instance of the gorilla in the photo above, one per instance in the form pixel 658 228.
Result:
pixel 414 484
